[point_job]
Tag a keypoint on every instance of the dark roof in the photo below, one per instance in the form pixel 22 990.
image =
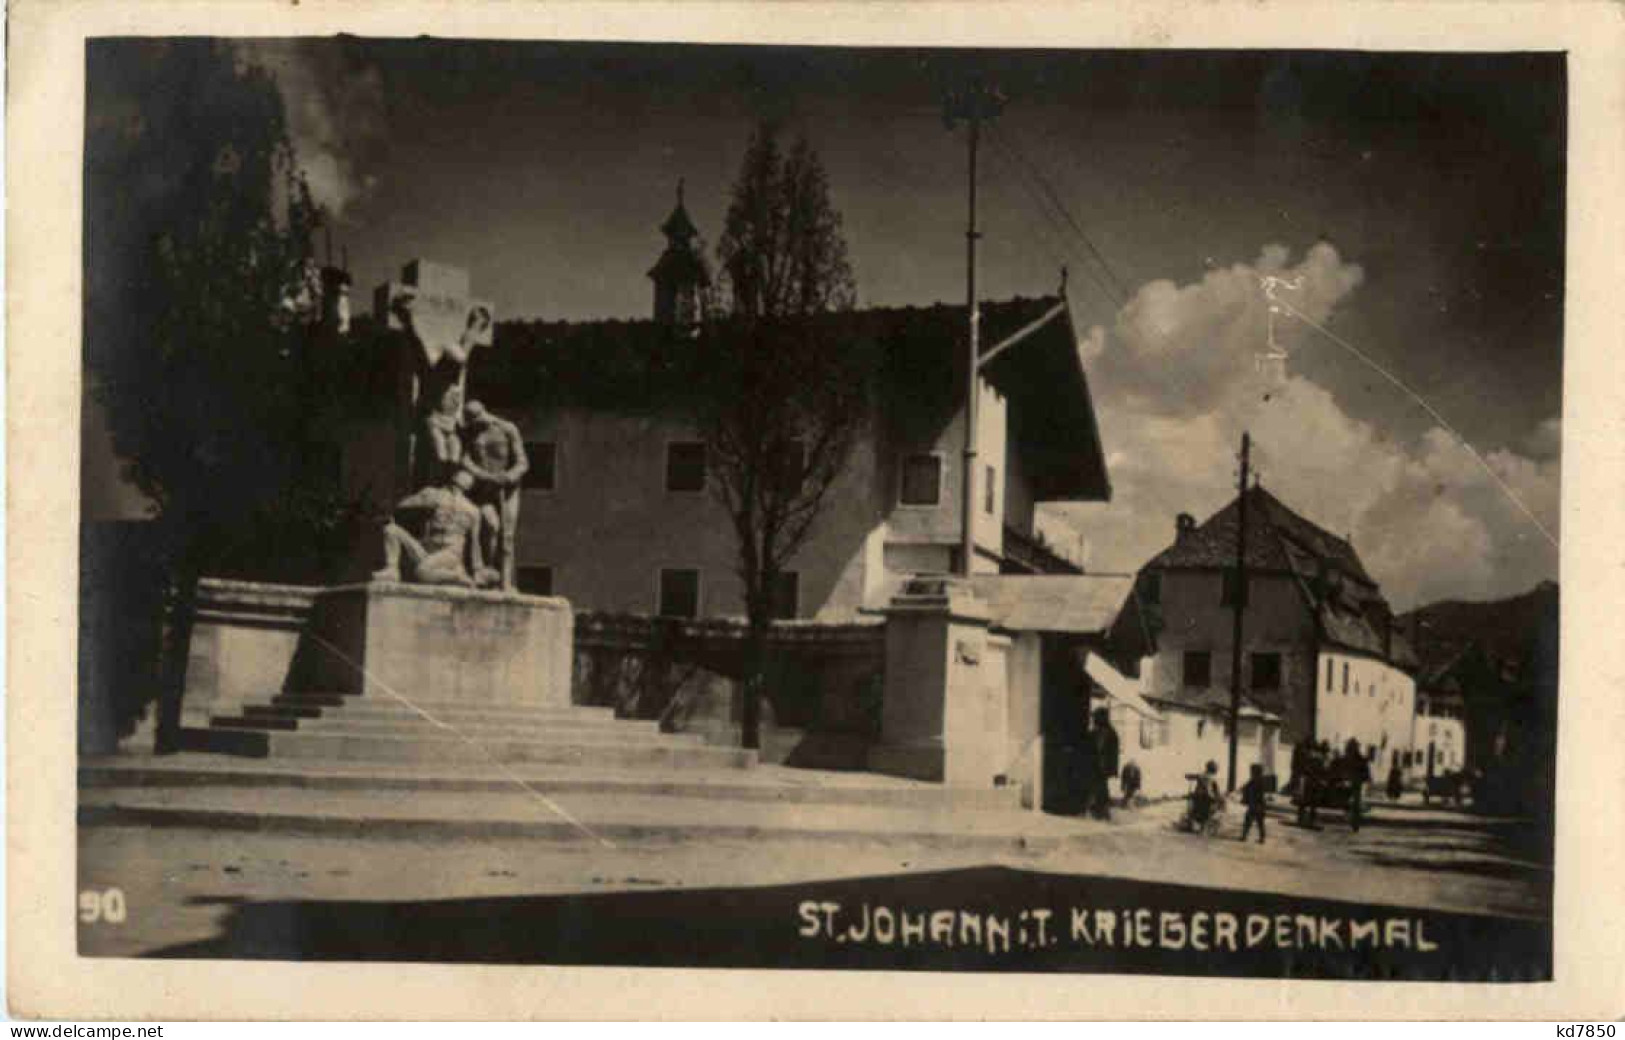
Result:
pixel 1272 531
pixel 1348 608
pixel 678 225
pixel 1031 553
pixel 1052 415
pixel 617 365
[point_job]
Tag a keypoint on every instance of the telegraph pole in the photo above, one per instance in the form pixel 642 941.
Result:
pixel 971 106
pixel 1240 605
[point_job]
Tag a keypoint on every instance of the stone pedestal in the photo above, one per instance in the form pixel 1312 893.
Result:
pixel 424 643
pixel 443 644
pixel 944 711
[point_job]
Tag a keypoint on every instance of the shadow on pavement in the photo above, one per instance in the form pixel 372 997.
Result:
pixel 1455 863
pixel 982 919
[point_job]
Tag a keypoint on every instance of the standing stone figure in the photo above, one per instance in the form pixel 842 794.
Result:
pixel 444 336
pixel 445 550
pixel 494 454
pixel 441 450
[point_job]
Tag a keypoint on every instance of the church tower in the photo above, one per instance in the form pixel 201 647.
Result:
pixel 679 275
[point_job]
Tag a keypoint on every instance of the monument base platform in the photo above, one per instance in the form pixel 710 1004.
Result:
pixel 445 644
pixel 414 677
pixel 409 643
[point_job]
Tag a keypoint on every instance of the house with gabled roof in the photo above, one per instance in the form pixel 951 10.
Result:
pixel 615 512
pixel 1322 653
pixel 617 515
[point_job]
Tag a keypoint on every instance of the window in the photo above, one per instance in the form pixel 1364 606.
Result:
pixel 685 466
pixel 1231 585
pixel 543 472
pixel 680 593
pixel 987 490
pixel 1266 671
pixel 785 595
pixel 922 480
pixel 1331 667
pixel 1345 677
pixel 1198 667
pixel 535 581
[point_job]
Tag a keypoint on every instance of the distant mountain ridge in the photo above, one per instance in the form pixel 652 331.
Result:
pixel 1517 633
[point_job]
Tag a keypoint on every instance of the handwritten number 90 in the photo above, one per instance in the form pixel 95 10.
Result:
pixel 102 906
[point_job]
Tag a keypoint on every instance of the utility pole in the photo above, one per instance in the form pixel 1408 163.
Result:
pixel 1240 605
pixel 971 106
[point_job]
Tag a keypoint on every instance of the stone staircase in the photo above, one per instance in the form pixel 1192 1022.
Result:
pixel 345 727
pixel 373 767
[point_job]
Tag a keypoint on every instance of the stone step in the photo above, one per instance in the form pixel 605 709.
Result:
pixel 351 702
pixel 457 717
pixel 559 751
pixel 592 818
pixel 452 716
pixel 766 783
pixel 595 733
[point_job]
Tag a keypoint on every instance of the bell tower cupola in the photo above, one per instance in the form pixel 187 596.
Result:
pixel 679 276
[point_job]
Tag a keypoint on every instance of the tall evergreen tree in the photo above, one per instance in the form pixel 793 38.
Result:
pixel 197 241
pixel 785 392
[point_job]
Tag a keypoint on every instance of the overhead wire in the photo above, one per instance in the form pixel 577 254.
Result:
pixel 1005 140
pixel 1049 203
pixel 1444 424
pixel 1048 212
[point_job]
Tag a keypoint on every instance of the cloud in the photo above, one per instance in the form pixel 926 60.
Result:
pixel 1546 441
pixel 1177 380
pixel 335 115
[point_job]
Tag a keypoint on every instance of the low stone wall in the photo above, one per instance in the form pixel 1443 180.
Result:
pixel 246 645
pixel 821 700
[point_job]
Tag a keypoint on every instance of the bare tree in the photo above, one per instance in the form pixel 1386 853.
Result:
pixel 784 388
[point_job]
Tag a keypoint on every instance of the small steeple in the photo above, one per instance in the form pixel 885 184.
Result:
pixel 680 273
pixel 678 228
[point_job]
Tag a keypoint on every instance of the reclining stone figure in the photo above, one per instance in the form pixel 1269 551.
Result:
pixel 446 548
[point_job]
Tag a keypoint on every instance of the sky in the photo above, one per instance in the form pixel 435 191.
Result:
pixel 1417 199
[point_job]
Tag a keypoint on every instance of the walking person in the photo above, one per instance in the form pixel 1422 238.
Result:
pixel 1254 797
pixel 1300 762
pixel 1105 749
pixel 1130 782
pixel 1357 771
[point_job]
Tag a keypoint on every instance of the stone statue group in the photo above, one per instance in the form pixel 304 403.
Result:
pixel 458 527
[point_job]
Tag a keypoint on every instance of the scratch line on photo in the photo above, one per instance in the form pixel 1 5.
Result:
pixel 465 738
pixel 1413 395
